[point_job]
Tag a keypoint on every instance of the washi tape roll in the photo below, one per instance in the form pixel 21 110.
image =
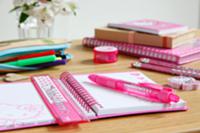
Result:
pixel 105 54
pixel 183 83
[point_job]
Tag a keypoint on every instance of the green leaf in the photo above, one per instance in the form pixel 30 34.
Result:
pixel 34 4
pixel 73 8
pixel 15 8
pixel 74 12
pixel 26 7
pixel 23 17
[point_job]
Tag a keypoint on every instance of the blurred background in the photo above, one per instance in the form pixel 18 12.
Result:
pixel 97 13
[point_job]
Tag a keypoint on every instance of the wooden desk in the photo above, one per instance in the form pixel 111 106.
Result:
pixel 187 121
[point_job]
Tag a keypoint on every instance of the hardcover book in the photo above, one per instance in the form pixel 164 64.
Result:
pixel 141 38
pixel 150 26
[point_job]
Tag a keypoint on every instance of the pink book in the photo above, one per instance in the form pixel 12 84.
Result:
pixel 21 106
pixel 150 26
pixel 186 53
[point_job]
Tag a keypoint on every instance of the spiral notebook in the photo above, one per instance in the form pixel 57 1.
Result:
pixel 21 106
pixel 188 52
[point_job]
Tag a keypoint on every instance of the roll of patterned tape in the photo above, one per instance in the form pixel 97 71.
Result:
pixel 105 54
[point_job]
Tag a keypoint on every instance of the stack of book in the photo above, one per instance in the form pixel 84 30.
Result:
pixel 150 38
pixel 32 54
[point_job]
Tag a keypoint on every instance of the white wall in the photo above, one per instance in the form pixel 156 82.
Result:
pixel 96 13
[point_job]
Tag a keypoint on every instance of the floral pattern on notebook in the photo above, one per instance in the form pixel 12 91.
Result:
pixel 12 114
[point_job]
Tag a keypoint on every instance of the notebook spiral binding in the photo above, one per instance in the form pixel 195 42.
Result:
pixel 77 96
pixel 82 96
pixel 131 49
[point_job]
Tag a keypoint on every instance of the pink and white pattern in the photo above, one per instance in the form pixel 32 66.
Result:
pixel 186 53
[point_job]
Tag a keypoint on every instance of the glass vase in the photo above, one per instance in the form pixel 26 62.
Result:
pixel 31 29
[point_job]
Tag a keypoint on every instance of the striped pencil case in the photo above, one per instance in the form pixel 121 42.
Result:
pixel 10 50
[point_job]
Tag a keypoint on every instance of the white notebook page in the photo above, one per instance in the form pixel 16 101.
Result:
pixel 21 106
pixel 116 103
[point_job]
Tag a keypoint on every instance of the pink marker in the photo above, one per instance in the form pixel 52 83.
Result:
pixel 147 91
pixel 176 71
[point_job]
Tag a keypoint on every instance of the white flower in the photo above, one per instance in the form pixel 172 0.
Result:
pixel 18 2
pixel 45 10
pixel 55 6
pixel 73 5
pixel 22 2
pixel 44 15
pixel 65 9
pixel 57 2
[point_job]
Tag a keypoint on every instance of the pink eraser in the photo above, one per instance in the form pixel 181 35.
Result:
pixel 184 83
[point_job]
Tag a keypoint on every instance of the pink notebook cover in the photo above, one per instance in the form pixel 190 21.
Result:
pixel 33 112
pixel 150 26
pixel 179 55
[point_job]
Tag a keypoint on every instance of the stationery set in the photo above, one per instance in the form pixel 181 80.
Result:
pixel 82 98
pixel 26 55
pixel 74 99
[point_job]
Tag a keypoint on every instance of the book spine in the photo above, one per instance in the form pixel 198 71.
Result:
pixel 132 49
pixel 78 91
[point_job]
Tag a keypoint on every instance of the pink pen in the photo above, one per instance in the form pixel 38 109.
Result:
pixel 147 91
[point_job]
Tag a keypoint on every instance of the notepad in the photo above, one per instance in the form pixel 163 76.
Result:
pixel 115 103
pixel 150 26
pixel 21 105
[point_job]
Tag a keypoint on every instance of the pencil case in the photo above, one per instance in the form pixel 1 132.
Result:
pixel 15 51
